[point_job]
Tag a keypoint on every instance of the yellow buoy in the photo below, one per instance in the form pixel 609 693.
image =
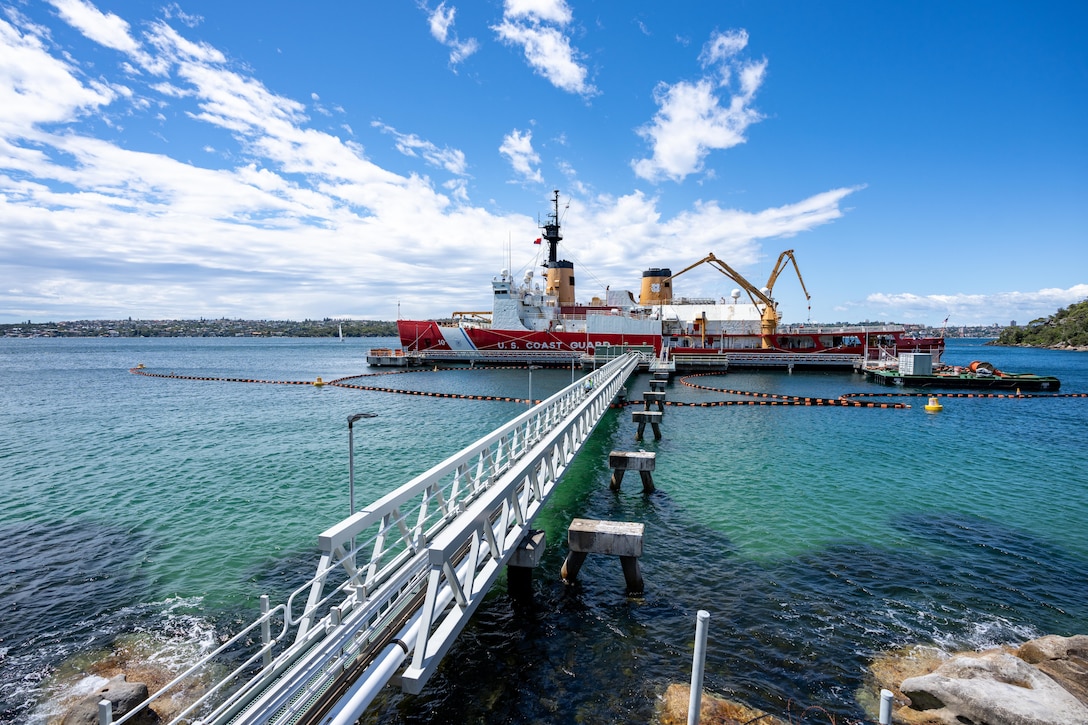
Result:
pixel 934 404
pixel 319 382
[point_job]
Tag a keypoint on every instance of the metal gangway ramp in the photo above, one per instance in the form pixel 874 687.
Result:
pixel 397 581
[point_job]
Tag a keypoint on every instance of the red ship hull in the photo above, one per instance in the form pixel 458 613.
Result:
pixel 428 335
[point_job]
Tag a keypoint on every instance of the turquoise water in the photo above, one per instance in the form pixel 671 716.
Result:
pixel 816 537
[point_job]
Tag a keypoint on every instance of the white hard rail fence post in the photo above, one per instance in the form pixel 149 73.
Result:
pixel 105 712
pixel 886 697
pixel 695 702
pixel 266 630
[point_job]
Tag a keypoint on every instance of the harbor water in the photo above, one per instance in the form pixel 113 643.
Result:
pixel 141 519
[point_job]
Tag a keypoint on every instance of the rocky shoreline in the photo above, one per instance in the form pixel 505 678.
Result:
pixel 1057 346
pixel 1041 682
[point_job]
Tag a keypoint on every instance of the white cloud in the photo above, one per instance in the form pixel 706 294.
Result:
pixel 517 147
pixel 460 50
pixel 458 189
pixel 693 119
pixel 37 88
pixel 441 23
pixel 298 222
pixel 441 20
pixel 452 160
pixel 722 48
pixel 174 11
pixel 177 49
pixel 531 24
pixel 629 231
pixel 104 28
pixel 976 309
pixel 318 106
pixel 546 11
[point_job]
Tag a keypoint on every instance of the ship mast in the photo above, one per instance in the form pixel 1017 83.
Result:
pixel 558 273
pixel 551 232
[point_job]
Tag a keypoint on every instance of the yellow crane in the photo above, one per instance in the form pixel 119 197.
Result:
pixel 787 256
pixel 768 314
pixel 768 323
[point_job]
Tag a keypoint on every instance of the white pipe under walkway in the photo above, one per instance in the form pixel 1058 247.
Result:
pixel 397 581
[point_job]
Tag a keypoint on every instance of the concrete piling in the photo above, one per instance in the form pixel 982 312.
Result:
pixel 642 417
pixel 615 538
pixel 654 397
pixel 642 461
pixel 519 571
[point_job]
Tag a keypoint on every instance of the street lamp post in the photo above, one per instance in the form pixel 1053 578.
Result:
pixel 531 369
pixel 351 457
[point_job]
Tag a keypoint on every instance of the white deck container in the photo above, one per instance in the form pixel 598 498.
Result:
pixel 916 363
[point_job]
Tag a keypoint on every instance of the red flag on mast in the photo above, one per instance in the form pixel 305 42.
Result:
pixel 536 241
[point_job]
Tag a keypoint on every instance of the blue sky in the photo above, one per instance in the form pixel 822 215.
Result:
pixel 925 160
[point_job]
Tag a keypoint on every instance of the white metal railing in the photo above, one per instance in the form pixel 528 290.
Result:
pixel 400 577
pixel 466 558
pixel 787 358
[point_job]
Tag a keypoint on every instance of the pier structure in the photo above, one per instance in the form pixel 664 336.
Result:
pixel 671 361
pixel 397 581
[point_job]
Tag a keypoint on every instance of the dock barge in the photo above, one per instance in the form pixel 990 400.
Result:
pixel 1005 381
pixel 917 371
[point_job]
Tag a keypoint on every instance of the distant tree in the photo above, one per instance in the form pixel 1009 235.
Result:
pixel 1068 327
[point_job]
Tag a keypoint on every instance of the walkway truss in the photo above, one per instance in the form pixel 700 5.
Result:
pixel 398 581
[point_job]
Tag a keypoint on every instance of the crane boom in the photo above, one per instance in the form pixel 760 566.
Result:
pixel 754 292
pixel 787 256
pixel 768 315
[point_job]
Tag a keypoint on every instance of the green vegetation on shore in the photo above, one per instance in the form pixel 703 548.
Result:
pixel 223 327
pixel 1068 327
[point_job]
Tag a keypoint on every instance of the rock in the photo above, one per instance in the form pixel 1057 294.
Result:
pixel 1063 658
pixel 123 694
pixel 713 710
pixel 891 668
pixel 995 688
